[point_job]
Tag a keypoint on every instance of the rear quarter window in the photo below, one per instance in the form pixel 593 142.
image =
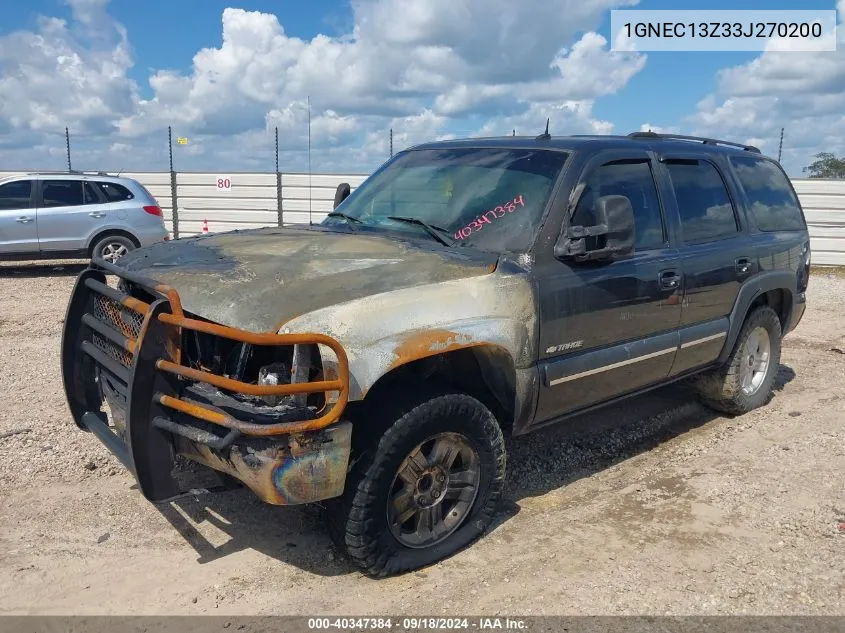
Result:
pixel 772 202
pixel 115 192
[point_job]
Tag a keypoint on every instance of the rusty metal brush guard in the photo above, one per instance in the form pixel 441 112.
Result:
pixel 123 351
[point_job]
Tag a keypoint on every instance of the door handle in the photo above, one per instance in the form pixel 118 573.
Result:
pixel 97 214
pixel 743 265
pixel 669 279
pixel 24 219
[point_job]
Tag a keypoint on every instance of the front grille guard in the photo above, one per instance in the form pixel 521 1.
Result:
pixel 135 346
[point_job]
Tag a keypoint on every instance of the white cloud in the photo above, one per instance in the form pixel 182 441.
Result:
pixel 802 92
pixel 67 75
pixel 568 117
pixel 648 127
pixel 428 68
pixel 587 71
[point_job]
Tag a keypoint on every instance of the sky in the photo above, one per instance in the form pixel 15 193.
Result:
pixel 225 75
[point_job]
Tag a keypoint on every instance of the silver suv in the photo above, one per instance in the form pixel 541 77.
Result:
pixel 75 214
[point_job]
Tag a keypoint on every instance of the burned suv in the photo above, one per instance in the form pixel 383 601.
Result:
pixel 466 290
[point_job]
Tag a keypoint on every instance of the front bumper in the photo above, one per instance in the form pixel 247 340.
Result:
pixel 124 352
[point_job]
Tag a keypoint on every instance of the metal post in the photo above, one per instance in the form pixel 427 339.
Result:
pixel 279 209
pixel 67 145
pixel 391 142
pixel 173 189
pixel 780 147
pixel 309 161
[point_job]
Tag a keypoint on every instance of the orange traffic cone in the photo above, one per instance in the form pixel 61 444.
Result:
pixel 205 226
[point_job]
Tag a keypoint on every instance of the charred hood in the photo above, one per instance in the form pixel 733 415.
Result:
pixel 259 279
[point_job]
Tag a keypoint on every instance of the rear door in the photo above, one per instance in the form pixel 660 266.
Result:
pixel 18 228
pixel 69 212
pixel 610 328
pixel 717 254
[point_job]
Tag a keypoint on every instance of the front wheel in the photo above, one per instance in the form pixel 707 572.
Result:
pixel 430 487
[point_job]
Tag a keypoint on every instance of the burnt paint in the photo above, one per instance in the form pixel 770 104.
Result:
pixel 497 310
pixel 292 470
pixel 615 310
pixel 258 279
pixel 618 311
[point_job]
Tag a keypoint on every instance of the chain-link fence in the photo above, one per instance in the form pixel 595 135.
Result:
pixel 266 150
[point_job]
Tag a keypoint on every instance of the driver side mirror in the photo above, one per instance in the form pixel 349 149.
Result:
pixel 614 229
pixel 341 194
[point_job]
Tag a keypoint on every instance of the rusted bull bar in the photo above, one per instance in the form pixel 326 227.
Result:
pixel 126 352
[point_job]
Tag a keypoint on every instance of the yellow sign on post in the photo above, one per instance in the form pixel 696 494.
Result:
pixel 182 140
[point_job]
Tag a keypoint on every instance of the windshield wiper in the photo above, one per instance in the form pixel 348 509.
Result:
pixel 351 221
pixel 432 229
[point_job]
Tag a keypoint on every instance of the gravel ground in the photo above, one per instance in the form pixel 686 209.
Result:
pixel 655 507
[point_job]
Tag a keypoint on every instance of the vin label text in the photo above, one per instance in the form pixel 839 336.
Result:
pixel 488 217
pixel 712 30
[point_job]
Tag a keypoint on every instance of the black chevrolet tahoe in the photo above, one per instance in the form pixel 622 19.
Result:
pixel 467 290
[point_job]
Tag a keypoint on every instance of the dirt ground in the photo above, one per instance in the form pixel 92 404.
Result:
pixel 655 507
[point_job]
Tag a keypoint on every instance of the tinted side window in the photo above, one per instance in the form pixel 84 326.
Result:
pixel 703 201
pixel 62 193
pixel 115 192
pixel 634 181
pixel 15 195
pixel 773 203
pixel 91 196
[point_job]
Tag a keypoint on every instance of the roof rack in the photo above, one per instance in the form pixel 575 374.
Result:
pixel 72 172
pixel 700 139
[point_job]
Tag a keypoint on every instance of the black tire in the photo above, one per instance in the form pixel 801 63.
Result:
pixel 722 389
pixel 109 247
pixel 358 521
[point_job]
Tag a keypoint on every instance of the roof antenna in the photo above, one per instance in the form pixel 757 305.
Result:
pixel 545 136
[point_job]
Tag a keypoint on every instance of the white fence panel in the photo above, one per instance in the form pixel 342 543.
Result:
pixel 226 200
pixel 329 181
pixel 316 206
pixel 824 208
pixel 215 205
pixel 238 179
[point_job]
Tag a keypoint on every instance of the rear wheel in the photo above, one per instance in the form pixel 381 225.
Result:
pixel 430 487
pixel 112 247
pixel 746 381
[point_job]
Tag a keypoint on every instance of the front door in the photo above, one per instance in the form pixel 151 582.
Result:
pixel 18 228
pixel 610 328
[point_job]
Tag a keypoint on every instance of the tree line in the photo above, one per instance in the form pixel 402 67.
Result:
pixel 826 165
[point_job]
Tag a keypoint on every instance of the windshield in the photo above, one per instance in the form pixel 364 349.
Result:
pixel 487 198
